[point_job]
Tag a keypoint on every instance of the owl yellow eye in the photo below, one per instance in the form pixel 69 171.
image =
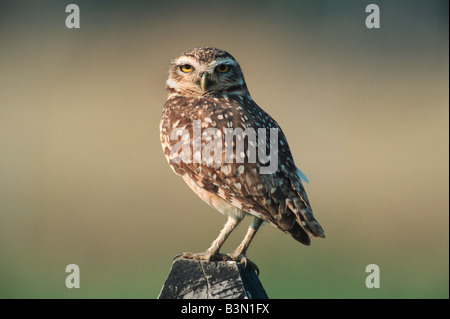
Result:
pixel 223 68
pixel 186 68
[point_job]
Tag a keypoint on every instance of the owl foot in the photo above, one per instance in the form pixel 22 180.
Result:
pixel 246 262
pixel 204 256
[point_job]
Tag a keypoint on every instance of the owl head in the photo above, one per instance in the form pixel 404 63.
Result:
pixel 206 72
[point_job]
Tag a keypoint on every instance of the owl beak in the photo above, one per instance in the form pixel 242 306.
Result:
pixel 204 82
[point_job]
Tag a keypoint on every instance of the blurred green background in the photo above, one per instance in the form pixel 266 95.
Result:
pixel 83 178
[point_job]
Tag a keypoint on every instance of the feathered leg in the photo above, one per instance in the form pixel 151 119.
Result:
pixel 241 250
pixel 212 253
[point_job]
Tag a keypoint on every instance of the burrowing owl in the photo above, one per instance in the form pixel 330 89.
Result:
pixel 211 131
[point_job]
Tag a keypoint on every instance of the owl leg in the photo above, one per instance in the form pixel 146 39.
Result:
pixel 212 253
pixel 241 250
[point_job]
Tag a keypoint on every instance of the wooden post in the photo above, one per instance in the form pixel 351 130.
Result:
pixel 195 279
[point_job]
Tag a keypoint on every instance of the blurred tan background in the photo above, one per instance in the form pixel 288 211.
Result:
pixel 83 178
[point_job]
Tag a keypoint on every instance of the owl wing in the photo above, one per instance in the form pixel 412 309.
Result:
pixel 277 197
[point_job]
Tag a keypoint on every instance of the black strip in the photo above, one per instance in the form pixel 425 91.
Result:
pixel 273 308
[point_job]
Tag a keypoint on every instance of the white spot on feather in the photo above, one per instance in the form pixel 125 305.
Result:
pixel 226 169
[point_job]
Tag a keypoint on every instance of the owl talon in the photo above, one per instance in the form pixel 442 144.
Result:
pixel 177 256
pixel 246 262
pixel 203 256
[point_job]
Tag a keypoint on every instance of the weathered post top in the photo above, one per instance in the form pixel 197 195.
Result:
pixel 199 279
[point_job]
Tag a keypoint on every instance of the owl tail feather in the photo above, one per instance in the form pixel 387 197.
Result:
pixel 306 219
pixel 315 228
pixel 299 234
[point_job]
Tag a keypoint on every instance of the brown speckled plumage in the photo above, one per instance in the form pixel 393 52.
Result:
pixel 236 189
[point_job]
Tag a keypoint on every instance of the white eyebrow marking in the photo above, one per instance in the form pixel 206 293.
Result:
pixel 204 67
pixel 188 60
